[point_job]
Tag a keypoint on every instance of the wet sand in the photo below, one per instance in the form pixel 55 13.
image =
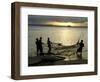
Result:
pixel 55 60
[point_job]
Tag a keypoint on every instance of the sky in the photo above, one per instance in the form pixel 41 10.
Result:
pixel 40 20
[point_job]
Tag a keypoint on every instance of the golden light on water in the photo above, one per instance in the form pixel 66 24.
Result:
pixel 68 37
pixel 63 23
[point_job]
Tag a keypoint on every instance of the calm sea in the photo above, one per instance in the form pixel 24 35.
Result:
pixel 64 35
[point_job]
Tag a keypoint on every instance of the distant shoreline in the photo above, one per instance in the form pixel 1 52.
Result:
pixel 57 26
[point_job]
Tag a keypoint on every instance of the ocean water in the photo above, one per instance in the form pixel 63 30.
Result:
pixel 64 35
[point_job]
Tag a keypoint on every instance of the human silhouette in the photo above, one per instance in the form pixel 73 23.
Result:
pixel 49 45
pixel 79 50
pixel 37 46
pixel 40 46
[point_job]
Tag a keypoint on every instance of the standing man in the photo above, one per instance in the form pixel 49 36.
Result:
pixel 49 45
pixel 40 46
pixel 37 46
pixel 79 50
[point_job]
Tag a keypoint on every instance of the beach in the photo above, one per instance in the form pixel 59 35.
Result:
pixel 64 35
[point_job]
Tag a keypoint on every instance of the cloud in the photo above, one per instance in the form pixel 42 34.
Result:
pixel 57 20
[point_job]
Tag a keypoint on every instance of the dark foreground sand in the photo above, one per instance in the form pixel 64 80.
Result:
pixel 52 60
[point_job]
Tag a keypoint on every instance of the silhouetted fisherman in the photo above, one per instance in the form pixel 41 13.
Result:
pixel 49 45
pixel 40 46
pixel 37 46
pixel 79 50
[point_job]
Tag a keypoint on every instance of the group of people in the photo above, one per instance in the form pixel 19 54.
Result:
pixel 39 46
